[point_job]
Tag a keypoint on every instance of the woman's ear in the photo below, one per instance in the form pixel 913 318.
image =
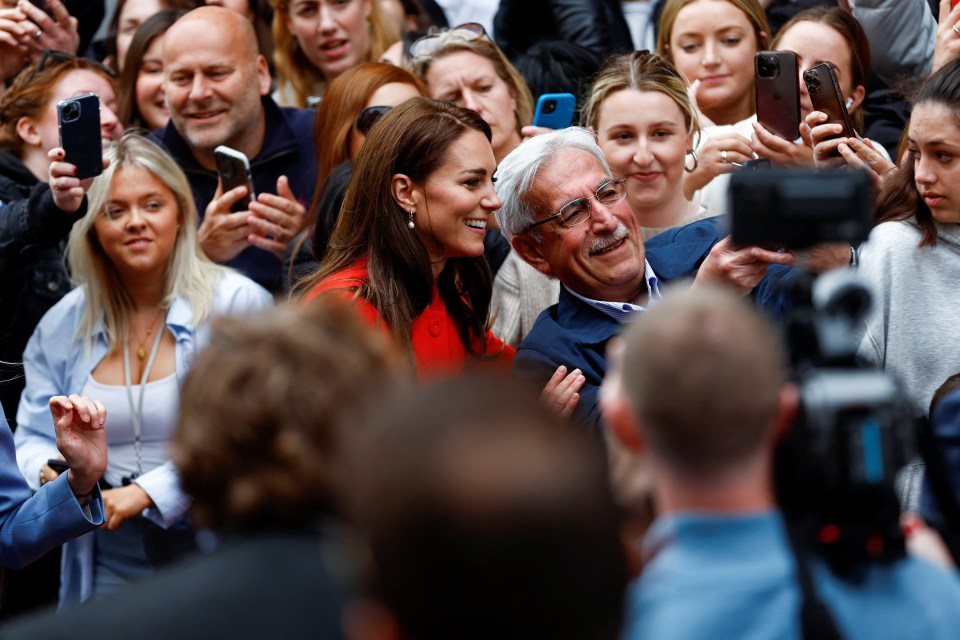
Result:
pixel 856 96
pixel 405 191
pixel 27 130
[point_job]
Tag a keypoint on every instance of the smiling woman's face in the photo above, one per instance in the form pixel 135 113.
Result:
pixel 714 42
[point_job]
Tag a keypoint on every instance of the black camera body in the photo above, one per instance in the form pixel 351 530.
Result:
pixel 797 208
pixel 835 470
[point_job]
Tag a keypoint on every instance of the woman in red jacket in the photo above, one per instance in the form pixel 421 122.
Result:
pixel 407 248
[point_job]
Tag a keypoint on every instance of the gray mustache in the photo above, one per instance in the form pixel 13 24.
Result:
pixel 610 239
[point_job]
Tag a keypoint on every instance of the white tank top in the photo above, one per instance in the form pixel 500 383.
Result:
pixel 161 400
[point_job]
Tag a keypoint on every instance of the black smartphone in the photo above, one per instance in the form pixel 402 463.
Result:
pixel 234 170
pixel 778 93
pixel 79 120
pixel 555 110
pixel 756 164
pixel 58 465
pixel 825 95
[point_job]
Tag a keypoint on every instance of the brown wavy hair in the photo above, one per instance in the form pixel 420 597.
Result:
pixel 412 139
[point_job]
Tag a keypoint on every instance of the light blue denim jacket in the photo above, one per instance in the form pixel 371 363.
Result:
pixel 56 363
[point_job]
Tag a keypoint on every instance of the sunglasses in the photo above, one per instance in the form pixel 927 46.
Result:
pixel 50 58
pixel 369 116
pixel 430 43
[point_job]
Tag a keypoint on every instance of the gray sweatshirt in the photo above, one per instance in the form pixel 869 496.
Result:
pixel 913 329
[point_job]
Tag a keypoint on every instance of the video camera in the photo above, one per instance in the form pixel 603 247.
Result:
pixel 835 470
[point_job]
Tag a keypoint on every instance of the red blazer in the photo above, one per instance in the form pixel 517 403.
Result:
pixel 437 347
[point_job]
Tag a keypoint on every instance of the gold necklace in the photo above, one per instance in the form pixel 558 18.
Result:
pixel 141 349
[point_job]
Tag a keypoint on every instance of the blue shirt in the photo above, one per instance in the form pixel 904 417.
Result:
pixel 623 312
pixel 733 576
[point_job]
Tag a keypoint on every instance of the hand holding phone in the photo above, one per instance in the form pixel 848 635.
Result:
pixel 555 110
pixel 825 95
pixel 79 122
pixel 234 170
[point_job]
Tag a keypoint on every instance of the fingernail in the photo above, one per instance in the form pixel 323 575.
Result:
pixel 85 417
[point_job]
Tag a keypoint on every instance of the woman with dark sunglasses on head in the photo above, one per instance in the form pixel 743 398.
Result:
pixel 463 65
pixel 351 104
pixel 33 230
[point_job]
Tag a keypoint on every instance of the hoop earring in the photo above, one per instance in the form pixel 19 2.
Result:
pixel 410 223
pixel 696 163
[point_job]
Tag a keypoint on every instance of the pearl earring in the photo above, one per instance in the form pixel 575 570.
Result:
pixel 410 220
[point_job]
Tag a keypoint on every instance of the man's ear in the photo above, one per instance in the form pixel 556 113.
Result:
pixel 532 253
pixel 788 401
pixel 405 191
pixel 27 130
pixel 620 419
pixel 263 76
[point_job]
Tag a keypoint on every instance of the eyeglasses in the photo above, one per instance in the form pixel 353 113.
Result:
pixel 369 116
pixel 50 57
pixel 576 211
pixel 430 43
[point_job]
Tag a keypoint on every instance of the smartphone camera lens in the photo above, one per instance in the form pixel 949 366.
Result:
pixel 768 67
pixel 549 106
pixel 812 82
pixel 71 112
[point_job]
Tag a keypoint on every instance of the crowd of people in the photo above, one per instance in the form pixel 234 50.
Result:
pixel 436 370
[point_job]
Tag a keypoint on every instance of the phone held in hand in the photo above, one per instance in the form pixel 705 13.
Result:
pixel 79 122
pixel 778 93
pixel 555 110
pixel 234 170
pixel 825 95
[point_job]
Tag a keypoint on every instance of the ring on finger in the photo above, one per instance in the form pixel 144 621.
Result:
pixel 955 30
pixel 723 156
pixel 36 36
pixel 54 186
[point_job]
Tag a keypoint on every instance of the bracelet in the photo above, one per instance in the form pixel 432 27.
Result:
pixel 43 479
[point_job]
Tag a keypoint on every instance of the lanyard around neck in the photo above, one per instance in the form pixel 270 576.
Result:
pixel 136 412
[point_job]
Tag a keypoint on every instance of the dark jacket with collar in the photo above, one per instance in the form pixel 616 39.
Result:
pixel 574 334
pixel 33 237
pixel 288 150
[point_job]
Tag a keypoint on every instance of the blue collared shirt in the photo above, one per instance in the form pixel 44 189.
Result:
pixel 623 312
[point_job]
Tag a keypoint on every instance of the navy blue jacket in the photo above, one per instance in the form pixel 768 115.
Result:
pixel 288 149
pixel 945 423
pixel 574 334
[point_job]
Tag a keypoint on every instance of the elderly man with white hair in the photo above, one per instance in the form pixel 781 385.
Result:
pixel 565 215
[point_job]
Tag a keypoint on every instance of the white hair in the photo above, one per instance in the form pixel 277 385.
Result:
pixel 517 171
